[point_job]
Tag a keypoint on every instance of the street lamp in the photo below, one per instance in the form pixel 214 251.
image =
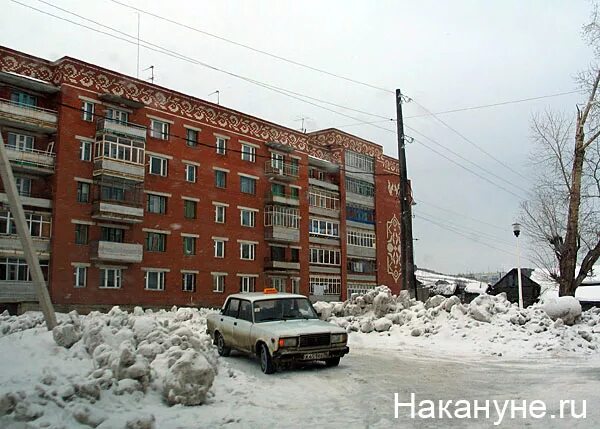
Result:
pixel 517 232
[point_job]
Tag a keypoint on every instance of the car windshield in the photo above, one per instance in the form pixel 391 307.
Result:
pixel 283 309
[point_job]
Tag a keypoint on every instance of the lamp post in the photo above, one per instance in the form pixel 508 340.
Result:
pixel 517 232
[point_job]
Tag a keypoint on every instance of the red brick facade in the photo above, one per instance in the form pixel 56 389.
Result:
pixel 330 156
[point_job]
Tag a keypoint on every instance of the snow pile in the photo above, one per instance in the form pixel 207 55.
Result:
pixel 137 354
pixel 488 325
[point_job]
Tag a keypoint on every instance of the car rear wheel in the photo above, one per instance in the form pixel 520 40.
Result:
pixel 221 347
pixel 266 361
pixel 332 362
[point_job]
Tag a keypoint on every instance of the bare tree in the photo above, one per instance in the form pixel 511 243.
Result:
pixel 563 215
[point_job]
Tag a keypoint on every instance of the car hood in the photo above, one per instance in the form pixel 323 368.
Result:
pixel 292 328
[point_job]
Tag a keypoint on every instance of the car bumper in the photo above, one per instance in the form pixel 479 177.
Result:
pixel 309 355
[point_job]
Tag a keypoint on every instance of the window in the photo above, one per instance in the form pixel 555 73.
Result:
pixel 325 228
pixel 248 153
pixel 282 216
pixel 366 266
pixel 112 193
pixel 220 179
pixel 189 209
pixel 219 283
pixel 191 137
pixel 38 224
pixel 80 276
pixel 278 283
pixel 220 214
pixel 157 165
pixel 295 255
pixel 110 278
pixel 20 142
pixel 189 246
pixel 85 150
pixel 221 145
pixel 360 238
pixel 115 235
pixel 83 192
pixel 116 115
pixel 190 173
pixel 156 242
pixel 232 308
pixel 120 148
pixel 278 253
pixel 294 167
pixel 324 256
pixel 294 193
pixel 247 284
pixel 81 233
pixel 247 185
pixel 23 99
pixel 295 285
pixel 188 282
pixel 15 269
pixel 247 251
pixel 359 161
pixel 325 285
pixel 155 280
pixel 159 130
pixel 359 288
pixel 219 248
pixel 248 218
pixel 358 213
pixel 277 189
pixel 277 161
pixel 87 111
pixel 23 186
pixel 360 187
pixel 245 311
pixel 324 199
pixel 157 204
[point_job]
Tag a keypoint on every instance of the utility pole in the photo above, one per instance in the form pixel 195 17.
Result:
pixel 407 266
pixel 18 215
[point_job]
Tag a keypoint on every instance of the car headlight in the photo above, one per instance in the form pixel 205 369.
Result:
pixel 339 338
pixel 288 342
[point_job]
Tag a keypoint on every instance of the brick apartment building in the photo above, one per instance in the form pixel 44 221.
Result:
pixel 139 195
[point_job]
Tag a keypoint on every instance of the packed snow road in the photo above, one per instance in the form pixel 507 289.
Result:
pixel 360 392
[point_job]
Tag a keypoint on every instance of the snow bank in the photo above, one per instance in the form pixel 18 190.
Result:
pixel 488 325
pixel 126 355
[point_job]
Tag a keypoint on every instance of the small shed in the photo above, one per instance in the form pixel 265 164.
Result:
pixel 510 285
pixel 472 290
pixel 443 287
pixel 588 294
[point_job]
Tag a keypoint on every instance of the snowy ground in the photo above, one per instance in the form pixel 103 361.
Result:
pixel 123 370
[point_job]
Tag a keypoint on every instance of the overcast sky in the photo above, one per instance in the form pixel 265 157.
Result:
pixel 444 55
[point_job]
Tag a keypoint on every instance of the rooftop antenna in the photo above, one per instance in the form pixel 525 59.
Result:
pixel 218 96
pixel 302 118
pixel 137 68
pixel 151 78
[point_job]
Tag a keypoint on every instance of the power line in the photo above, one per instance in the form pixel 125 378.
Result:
pixel 260 51
pixel 420 201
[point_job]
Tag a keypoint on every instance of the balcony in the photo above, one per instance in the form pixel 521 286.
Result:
pixel 121 128
pixel 14 291
pixel 10 245
pixel 282 170
pixel 27 117
pixel 118 211
pixel 105 166
pixel 281 264
pixel 282 233
pixel 109 251
pixel 361 252
pixel 31 160
pixel 276 198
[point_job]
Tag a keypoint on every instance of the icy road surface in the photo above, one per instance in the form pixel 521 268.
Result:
pixel 360 392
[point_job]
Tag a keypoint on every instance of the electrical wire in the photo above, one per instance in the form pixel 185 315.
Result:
pixel 420 201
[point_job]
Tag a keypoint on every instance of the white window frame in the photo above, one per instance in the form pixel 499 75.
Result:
pixel 251 218
pixel 163 133
pixel 221 145
pixel 220 213
pixel 248 153
pixel 80 276
pixel 185 240
pixel 288 217
pixel 219 282
pixel 191 173
pixel 116 273
pixel 360 161
pixel 88 109
pixel 325 228
pixel 332 284
pixel 322 256
pixel 219 244
pixel 247 283
pixel 249 180
pixel 85 147
pixel 164 165
pixel 278 283
pixel 189 142
pixel 185 283
pixel 361 239
pixel 23 185
pixel 249 249
pixel 160 279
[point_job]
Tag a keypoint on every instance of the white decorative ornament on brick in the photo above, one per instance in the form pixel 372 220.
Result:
pixel 393 248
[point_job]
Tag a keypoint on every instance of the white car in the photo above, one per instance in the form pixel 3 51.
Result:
pixel 277 327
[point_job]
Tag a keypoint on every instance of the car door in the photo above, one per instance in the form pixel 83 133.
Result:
pixel 242 327
pixel 227 319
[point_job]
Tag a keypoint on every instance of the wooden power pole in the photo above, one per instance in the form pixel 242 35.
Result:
pixel 407 266
pixel 18 215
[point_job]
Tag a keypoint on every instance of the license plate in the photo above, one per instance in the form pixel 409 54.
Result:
pixel 314 356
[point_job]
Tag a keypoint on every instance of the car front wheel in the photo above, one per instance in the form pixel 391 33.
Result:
pixel 266 361
pixel 221 347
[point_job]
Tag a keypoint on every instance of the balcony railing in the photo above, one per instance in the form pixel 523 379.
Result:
pixel 36 161
pixel 117 252
pixel 282 170
pixel 28 117
pixel 285 264
pixel 113 126
pixel 278 198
